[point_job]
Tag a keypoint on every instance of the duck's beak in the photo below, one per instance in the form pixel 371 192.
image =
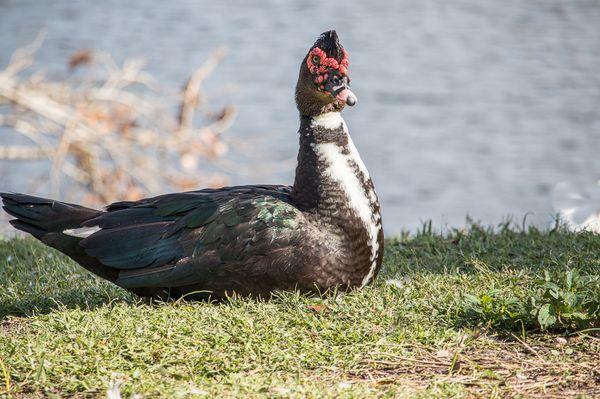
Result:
pixel 346 95
pixel 341 92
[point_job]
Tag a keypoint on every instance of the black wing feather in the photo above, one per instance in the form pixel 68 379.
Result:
pixel 153 232
pixel 133 246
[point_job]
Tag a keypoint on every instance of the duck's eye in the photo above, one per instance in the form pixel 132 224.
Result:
pixel 316 59
pixel 336 80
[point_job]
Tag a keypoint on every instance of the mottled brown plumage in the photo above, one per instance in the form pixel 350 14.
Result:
pixel 322 233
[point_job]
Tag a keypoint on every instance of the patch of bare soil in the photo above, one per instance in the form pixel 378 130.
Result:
pixel 10 325
pixel 555 368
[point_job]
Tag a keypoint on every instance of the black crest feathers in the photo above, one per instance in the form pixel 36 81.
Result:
pixel 330 43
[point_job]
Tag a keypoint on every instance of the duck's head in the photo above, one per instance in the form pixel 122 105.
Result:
pixel 323 84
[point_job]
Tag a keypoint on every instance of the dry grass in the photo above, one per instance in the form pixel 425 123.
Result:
pixel 543 368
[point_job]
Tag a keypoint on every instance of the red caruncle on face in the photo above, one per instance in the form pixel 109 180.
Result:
pixel 319 64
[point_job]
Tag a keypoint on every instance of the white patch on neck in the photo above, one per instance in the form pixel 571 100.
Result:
pixel 340 168
pixel 82 232
pixel 328 120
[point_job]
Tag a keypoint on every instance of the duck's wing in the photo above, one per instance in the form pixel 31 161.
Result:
pixel 187 239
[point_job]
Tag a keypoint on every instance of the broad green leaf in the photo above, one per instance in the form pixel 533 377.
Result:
pixel 546 316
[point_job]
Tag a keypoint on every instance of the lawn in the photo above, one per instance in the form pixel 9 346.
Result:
pixel 477 312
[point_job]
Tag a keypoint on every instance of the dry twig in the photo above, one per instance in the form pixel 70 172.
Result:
pixel 112 132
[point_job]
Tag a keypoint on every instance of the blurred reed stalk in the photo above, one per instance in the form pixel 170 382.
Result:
pixel 111 129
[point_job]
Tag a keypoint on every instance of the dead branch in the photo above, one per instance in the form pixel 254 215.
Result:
pixel 112 132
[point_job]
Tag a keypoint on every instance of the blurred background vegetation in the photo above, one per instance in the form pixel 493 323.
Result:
pixel 107 134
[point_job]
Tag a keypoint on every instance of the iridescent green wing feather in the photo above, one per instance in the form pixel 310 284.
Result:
pixel 182 239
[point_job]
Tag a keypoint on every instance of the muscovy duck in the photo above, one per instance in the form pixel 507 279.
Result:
pixel 322 233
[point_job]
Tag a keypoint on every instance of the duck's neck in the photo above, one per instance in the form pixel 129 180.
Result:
pixel 330 170
pixel 333 183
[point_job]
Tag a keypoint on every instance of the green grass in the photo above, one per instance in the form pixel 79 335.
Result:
pixel 478 312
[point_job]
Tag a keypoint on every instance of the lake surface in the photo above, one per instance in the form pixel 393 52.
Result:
pixel 475 107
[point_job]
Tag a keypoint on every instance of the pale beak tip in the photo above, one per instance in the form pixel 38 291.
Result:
pixel 351 100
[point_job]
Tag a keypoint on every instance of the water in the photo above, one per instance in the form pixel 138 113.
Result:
pixel 475 107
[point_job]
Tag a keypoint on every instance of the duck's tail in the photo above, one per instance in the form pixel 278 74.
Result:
pixel 56 224
pixel 41 217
